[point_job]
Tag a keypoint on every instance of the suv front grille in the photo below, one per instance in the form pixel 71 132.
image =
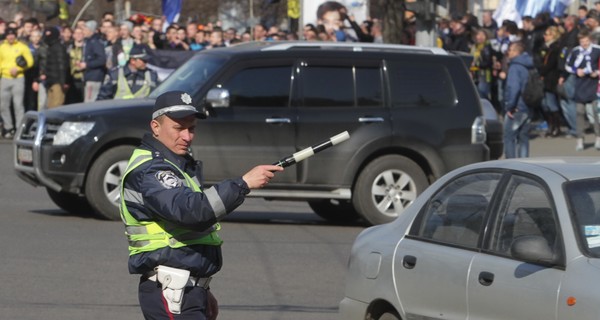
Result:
pixel 51 130
pixel 31 125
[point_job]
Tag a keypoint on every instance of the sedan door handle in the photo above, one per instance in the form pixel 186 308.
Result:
pixel 278 120
pixel 370 119
pixel 486 278
pixel 409 262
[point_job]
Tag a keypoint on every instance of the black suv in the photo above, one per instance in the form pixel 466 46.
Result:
pixel 412 113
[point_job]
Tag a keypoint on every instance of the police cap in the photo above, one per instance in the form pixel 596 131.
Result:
pixel 174 104
pixel 139 52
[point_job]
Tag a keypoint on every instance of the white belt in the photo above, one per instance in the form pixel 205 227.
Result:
pixel 192 281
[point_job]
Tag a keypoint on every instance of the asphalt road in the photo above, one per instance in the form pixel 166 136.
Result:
pixel 281 260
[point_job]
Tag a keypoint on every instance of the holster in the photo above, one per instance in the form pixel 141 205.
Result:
pixel 173 283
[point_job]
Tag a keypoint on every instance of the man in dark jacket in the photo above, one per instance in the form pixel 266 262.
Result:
pixel 517 118
pixel 94 62
pixel 54 70
pixel 171 221
pixel 133 80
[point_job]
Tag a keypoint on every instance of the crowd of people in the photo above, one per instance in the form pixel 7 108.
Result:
pixel 563 50
pixel 46 66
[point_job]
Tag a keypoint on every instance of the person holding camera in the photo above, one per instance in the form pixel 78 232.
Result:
pixel 15 58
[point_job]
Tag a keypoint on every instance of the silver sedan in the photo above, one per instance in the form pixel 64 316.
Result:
pixel 507 239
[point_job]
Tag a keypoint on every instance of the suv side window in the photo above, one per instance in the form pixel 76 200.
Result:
pixel 417 84
pixel 343 86
pixel 260 87
pixel 456 213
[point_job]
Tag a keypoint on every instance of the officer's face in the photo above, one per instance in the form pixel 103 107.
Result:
pixel 175 134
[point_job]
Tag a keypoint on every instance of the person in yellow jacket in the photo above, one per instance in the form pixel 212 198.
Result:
pixel 15 58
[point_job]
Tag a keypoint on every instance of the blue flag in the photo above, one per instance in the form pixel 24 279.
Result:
pixel 171 9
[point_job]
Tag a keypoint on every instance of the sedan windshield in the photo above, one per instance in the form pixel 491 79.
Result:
pixel 191 76
pixel 584 200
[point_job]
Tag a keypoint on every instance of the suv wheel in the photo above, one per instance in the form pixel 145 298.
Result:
pixel 70 202
pixel 333 210
pixel 102 185
pixel 386 187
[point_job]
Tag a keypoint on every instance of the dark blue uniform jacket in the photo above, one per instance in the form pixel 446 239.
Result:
pixel 181 206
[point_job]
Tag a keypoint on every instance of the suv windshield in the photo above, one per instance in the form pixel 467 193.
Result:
pixel 191 76
pixel 581 195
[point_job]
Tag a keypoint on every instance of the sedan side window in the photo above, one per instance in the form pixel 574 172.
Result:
pixel 526 210
pixel 456 213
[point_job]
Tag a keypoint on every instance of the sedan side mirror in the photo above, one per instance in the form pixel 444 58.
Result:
pixel 533 249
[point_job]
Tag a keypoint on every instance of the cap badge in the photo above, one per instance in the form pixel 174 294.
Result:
pixel 186 98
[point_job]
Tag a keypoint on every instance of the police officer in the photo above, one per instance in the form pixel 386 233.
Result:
pixel 133 80
pixel 171 220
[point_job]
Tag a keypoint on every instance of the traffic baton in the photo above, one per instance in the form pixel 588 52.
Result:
pixel 310 151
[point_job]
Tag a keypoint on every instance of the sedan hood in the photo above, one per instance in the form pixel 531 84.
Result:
pixel 594 262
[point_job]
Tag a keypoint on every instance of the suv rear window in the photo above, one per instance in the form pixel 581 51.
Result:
pixel 417 84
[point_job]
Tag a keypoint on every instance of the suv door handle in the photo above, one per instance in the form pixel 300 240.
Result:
pixel 278 120
pixel 370 119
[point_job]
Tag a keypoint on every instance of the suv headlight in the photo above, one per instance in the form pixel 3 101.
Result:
pixel 71 131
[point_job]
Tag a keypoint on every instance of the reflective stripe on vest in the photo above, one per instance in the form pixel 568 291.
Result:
pixel 124 91
pixel 145 236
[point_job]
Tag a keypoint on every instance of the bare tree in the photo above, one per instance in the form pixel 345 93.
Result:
pixel 393 20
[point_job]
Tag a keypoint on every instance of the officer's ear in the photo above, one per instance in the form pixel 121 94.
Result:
pixel 155 127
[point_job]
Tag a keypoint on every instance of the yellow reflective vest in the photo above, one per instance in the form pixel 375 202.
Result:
pixel 124 91
pixel 145 236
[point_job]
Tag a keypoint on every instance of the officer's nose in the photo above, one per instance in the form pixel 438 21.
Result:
pixel 186 135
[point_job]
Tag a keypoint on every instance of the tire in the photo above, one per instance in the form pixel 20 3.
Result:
pixel 70 202
pixel 335 211
pixel 386 186
pixel 389 316
pixel 102 185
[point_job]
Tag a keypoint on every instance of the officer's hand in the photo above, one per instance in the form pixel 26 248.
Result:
pixel 212 309
pixel 259 176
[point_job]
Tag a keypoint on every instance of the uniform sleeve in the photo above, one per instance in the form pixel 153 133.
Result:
pixel 166 196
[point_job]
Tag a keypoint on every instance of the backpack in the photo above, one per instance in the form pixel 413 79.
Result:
pixel 534 89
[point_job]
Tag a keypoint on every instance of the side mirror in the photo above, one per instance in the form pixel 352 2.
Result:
pixel 218 98
pixel 533 249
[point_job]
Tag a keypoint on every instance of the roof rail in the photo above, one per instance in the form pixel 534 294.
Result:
pixel 354 46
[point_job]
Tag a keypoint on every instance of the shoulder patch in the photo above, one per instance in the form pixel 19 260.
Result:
pixel 168 179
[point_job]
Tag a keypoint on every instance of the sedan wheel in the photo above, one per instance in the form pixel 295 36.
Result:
pixel 386 187
pixel 102 187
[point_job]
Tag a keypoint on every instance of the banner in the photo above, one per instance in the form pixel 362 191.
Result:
pixel 516 9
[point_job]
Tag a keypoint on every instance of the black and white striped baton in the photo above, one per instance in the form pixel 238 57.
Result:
pixel 310 151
